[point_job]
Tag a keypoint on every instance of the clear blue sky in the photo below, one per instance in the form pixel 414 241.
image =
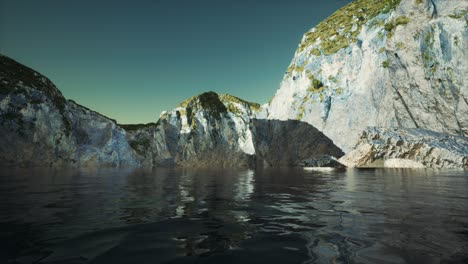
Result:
pixel 130 60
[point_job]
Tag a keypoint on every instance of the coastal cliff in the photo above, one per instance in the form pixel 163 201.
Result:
pixel 377 80
pixel 381 64
pixel 39 127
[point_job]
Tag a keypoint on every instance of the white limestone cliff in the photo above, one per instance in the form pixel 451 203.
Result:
pixel 380 63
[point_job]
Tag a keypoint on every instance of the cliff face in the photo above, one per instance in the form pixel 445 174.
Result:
pixel 205 130
pixel 289 143
pixel 380 63
pixel 221 130
pixel 40 128
pixel 391 63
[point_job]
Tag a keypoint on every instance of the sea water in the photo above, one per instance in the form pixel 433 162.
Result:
pixel 285 215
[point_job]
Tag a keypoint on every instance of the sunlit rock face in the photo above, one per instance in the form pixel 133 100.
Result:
pixel 38 127
pixel 408 148
pixel 380 63
pixel 205 130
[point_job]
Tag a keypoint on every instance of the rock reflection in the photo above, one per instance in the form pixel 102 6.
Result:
pixel 221 216
pixel 218 199
pixel 245 186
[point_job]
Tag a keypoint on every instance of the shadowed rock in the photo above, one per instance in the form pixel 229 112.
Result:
pixel 287 143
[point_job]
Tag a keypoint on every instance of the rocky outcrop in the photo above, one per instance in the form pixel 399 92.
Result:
pixel 324 161
pixel 220 130
pixel 40 128
pixel 288 143
pixel 379 63
pixel 408 148
pixel 205 130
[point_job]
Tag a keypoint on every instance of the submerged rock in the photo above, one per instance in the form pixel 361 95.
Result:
pixel 322 161
pixel 410 147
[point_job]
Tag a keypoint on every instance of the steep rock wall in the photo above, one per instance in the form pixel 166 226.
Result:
pixel 380 63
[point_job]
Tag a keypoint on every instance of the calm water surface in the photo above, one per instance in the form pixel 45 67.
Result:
pixel 225 216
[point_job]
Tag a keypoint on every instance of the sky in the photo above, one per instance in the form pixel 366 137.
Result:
pixel 130 60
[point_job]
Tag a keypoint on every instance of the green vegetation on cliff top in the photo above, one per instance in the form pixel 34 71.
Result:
pixel 213 101
pixel 341 28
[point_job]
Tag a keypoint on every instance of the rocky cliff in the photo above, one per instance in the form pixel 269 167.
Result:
pixel 411 147
pixel 220 130
pixel 388 64
pixel 289 143
pixel 40 128
pixel 379 63
pixel 205 130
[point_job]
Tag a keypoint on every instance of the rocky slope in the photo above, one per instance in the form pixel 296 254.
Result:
pixel 40 128
pixel 414 147
pixel 379 63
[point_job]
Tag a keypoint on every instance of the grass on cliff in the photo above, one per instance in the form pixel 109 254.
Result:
pixel 391 25
pixel 218 103
pixel 459 14
pixel 209 101
pixel 342 28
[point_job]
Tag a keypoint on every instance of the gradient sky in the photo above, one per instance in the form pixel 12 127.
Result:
pixel 130 60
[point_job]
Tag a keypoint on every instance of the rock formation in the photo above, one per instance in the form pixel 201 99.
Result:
pixel 289 143
pixel 384 63
pixel 220 130
pixel 395 64
pixel 205 130
pixel 40 128
pixel 412 147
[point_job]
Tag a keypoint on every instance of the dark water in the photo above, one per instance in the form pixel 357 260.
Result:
pixel 225 216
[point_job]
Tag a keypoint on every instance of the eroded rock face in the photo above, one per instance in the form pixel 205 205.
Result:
pixel 220 130
pixel 38 127
pixel 380 63
pixel 408 148
pixel 391 63
pixel 205 130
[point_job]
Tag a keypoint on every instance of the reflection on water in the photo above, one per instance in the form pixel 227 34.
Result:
pixel 228 216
